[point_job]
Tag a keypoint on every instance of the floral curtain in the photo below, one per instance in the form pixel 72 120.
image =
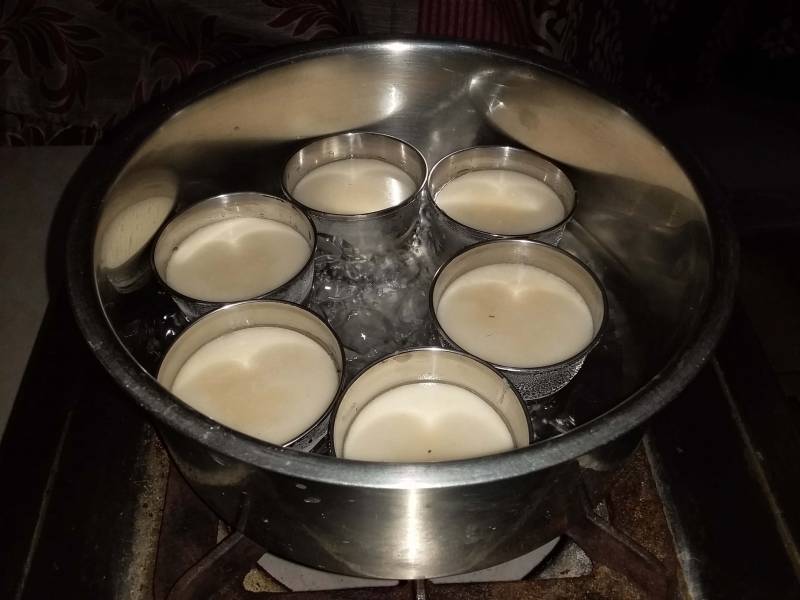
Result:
pixel 657 50
pixel 70 69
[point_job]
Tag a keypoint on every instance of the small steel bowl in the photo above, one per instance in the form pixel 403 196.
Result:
pixel 439 365
pixel 453 235
pixel 656 231
pixel 230 206
pixel 258 313
pixel 535 382
pixel 368 233
pixel 139 204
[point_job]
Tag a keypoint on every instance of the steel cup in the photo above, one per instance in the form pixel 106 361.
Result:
pixel 230 206
pixel 535 382
pixel 139 204
pixel 437 365
pixel 258 313
pixel 450 235
pixel 370 233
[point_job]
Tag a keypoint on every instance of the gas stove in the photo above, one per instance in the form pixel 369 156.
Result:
pixel 95 509
pixel 208 560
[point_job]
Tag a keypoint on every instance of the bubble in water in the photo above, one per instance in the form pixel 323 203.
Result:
pixel 365 331
pixel 377 303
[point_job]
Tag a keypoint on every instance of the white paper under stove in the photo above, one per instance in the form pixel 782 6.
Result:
pixel 299 578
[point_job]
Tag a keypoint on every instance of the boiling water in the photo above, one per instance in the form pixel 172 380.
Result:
pixel 380 305
pixel 377 304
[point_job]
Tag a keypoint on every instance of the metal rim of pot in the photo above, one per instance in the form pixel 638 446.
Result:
pixel 108 159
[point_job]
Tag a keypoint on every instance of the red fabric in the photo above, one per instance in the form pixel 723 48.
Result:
pixel 656 50
pixel 70 69
pixel 476 20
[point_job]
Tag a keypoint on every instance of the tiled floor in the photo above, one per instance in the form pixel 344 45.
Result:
pixel 31 180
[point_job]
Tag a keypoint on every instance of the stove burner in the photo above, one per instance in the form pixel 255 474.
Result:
pixel 192 563
pixel 300 578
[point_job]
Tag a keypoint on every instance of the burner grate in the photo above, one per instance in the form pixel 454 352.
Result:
pixel 630 550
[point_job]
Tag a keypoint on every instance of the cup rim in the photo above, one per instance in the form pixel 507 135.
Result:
pixel 221 303
pixel 327 413
pixel 502 236
pixel 343 392
pixel 630 410
pixel 357 216
pixel 542 368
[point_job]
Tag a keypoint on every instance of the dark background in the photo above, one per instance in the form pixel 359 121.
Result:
pixel 71 69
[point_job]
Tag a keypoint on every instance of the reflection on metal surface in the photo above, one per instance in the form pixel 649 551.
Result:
pixel 300 100
pixel 135 208
pixel 257 313
pixel 576 127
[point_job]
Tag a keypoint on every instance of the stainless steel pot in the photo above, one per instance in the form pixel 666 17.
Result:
pixel 366 234
pixel 649 225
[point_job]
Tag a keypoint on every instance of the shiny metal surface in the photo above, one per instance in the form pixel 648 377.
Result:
pixel 369 233
pixel 137 207
pixel 453 235
pixel 229 206
pixel 536 382
pixel 650 227
pixel 255 313
pixel 432 365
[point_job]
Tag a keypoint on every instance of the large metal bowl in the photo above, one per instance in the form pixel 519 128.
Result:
pixel 648 224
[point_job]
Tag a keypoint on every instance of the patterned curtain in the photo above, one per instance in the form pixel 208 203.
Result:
pixel 70 69
pixel 657 50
